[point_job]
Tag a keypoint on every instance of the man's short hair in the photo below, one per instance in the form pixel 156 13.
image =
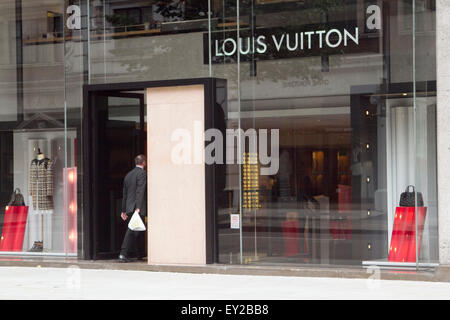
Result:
pixel 140 159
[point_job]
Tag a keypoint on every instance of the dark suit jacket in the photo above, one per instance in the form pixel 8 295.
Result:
pixel 134 186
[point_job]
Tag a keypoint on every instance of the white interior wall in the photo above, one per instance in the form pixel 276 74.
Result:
pixel 400 155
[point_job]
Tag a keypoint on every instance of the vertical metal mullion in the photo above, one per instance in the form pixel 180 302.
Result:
pixel 88 18
pixel 240 155
pixel 415 128
pixel 104 39
pixel 209 38
pixel 19 61
pixel 253 74
pixel 65 212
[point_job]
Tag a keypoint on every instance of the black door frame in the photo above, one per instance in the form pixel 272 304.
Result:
pixel 214 117
pixel 119 94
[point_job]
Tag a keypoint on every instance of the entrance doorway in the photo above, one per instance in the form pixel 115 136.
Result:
pixel 115 131
pixel 119 134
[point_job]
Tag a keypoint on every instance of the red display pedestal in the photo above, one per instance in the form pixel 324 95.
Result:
pixel 14 228
pixel 341 223
pixel 403 240
pixel 291 237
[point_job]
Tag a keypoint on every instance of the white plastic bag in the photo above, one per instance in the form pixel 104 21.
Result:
pixel 136 223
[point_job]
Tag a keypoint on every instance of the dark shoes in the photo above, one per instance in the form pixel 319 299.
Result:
pixel 124 259
pixel 38 246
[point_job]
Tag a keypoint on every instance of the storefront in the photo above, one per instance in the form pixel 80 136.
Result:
pixel 306 122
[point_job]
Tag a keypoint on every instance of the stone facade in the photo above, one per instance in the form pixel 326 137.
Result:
pixel 443 129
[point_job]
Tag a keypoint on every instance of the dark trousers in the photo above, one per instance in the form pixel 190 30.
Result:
pixel 133 242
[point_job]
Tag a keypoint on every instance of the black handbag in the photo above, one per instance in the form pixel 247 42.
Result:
pixel 17 199
pixel 408 199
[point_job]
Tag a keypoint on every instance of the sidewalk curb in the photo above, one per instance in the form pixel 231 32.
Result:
pixel 440 274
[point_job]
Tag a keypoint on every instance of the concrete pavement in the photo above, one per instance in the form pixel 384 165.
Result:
pixel 75 283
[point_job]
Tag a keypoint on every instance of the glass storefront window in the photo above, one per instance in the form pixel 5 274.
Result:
pixel 352 93
pixel 38 148
pixel 424 26
pixel 343 90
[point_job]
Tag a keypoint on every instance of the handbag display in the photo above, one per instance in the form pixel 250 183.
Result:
pixel 408 199
pixel 17 199
pixel 403 241
pixel 14 225
pixel 136 223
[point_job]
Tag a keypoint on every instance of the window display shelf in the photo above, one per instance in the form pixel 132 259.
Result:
pixel 388 264
pixel 46 254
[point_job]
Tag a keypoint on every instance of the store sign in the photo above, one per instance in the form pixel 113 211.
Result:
pixel 340 37
pixel 282 43
pixel 74 17
pixel 286 42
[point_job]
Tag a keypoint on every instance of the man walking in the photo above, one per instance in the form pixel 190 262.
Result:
pixel 134 186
